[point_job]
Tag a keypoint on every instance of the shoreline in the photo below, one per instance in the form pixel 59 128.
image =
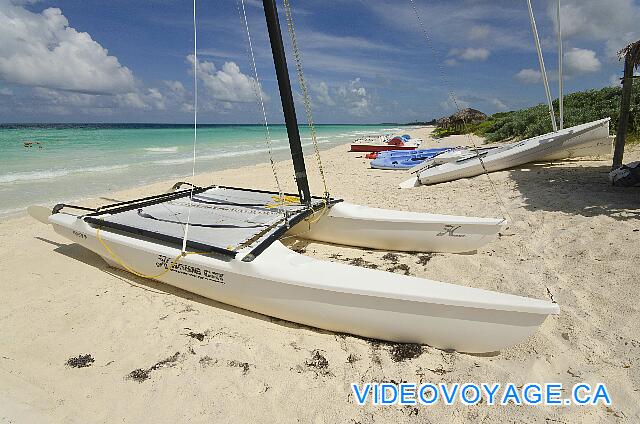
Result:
pixel 75 165
pixel 261 159
pixel 570 239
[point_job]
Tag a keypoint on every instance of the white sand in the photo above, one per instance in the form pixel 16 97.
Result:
pixel 573 236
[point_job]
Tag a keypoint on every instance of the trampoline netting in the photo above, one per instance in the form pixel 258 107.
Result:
pixel 223 219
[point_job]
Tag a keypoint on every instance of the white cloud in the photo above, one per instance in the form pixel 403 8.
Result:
pixel 450 105
pixel 179 95
pixel 612 21
pixel 4 91
pixel 469 54
pixel 155 98
pixel 131 100
pixel 321 94
pixel 41 49
pixel 576 61
pixel 66 99
pixel 321 40
pixel 149 99
pixel 57 101
pixel 479 32
pixel 355 98
pixel 615 80
pixel 528 76
pixel 580 61
pixel 228 84
pixel 176 87
pixel 499 104
pixel 451 23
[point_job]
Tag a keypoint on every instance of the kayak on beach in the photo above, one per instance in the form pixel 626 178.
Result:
pixel 404 142
pixel 405 159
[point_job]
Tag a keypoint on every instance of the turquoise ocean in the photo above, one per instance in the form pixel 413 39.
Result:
pixel 75 161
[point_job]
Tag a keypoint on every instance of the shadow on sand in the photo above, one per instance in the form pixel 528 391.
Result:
pixel 577 190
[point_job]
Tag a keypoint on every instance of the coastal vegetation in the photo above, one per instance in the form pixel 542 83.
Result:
pixel 579 107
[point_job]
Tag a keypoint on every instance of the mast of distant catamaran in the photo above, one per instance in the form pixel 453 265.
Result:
pixel 286 97
pixel 543 71
pixel 560 75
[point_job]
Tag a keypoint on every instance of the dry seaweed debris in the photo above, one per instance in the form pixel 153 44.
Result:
pixel 244 365
pixel 403 268
pixel 207 361
pixel 80 361
pixel 393 257
pixel 362 263
pixel 198 336
pixel 352 359
pixel 141 374
pixel 400 352
pixel 317 363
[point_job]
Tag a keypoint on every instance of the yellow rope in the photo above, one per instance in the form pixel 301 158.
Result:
pixel 295 200
pixel 124 265
pixel 320 212
pixel 305 92
pixel 283 200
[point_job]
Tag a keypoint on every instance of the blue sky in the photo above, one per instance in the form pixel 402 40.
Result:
pixel 365 61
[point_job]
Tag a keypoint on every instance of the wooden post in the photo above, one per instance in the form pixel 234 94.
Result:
pixel 625 102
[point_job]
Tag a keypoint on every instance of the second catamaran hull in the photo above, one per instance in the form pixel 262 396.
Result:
pixel 330 296
pixel 383 229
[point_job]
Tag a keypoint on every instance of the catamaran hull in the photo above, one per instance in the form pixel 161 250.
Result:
pixel 582 140
pixel 383 229
pixel 331 296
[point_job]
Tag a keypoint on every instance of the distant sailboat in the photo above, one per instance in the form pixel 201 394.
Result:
pixel 589 139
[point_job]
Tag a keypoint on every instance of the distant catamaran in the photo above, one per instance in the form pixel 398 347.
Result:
pixel 223 243
pixel 589 139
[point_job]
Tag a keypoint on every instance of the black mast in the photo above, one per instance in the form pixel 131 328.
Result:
pixel 284 85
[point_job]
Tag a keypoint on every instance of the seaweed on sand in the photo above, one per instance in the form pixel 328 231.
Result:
pixel 80 361
pixel 400 352
pixel 141 374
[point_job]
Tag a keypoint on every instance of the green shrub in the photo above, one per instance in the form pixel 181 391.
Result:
pixel 579 108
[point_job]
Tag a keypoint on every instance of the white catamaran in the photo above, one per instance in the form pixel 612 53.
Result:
pixel 589 139
pixel 224 243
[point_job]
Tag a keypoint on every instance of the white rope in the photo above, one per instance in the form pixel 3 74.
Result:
pixel 454 99
pixel 543 70
pixel 560 74
pixel 258 92
pixel 195 124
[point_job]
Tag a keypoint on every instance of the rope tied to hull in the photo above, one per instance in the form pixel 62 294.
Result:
pixel 117 259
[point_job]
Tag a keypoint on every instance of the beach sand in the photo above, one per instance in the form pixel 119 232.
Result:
pixel 163 355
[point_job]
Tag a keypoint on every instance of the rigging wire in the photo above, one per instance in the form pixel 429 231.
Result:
pixel 560 76
pixel 543 70
pixel 305 94
pixel 195 124
pixel 454 99
pixel 242 13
